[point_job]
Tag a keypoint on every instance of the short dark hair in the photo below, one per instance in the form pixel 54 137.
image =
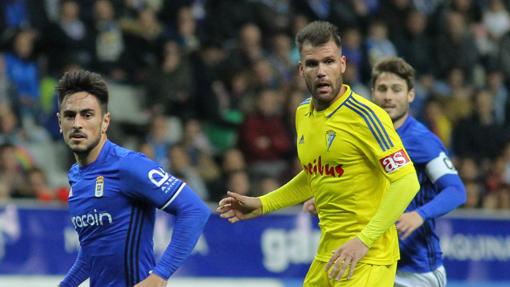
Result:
pixel 394 65
pixel 318 33
pixel 83 81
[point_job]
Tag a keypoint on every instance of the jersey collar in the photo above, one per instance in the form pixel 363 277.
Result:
pixel 406 124
pixel 335 105
pixel 102 155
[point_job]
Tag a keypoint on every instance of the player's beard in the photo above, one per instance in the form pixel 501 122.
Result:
pixel 335 90
pixel 399 116
pixel 84 151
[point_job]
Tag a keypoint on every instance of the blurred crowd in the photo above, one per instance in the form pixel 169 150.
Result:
pixel 216 84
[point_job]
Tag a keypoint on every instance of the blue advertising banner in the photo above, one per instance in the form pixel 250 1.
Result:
pixel 43 241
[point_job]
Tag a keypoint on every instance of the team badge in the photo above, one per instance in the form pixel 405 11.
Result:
pixel 99 190
pixel 330 137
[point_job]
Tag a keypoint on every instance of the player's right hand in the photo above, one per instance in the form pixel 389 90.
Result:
pixel 309 206
pixel 237 207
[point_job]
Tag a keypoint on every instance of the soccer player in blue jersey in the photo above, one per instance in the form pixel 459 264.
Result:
pixel 114 193
pixel 441 187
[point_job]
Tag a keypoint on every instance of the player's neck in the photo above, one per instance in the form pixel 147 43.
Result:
pixel 320 107
pixel 400 121
pixel 86 159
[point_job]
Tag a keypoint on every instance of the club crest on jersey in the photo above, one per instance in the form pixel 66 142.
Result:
pixel 99 190
pixel 330 137
pixel 394 161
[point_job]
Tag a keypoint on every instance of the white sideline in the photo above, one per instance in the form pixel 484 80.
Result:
pixel 52 281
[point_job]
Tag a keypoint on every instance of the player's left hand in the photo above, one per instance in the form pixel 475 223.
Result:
pixel 152 280
pixel 408 223
pixel 347 255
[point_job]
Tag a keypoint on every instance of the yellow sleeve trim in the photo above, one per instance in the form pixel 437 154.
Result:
pixel 293 192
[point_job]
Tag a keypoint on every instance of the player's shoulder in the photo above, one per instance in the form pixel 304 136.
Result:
pixel 421 135
pixel 364 107
pixel 72 173
pixel 134 164
pixel 366 113
pixel 304 105
pixel 421 140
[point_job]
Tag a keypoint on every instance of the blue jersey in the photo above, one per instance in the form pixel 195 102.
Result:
pixel 441 191
pixel 112 207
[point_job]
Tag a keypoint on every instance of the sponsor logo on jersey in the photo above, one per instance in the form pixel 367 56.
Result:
pixel 394 161
pixel 302 139
pixel 160 178
pixel 94 218
pixel 317 168
pixel 99 190
pixel 330 137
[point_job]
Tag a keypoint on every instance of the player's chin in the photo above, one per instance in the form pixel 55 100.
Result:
pixel 324 97
pixel 79 148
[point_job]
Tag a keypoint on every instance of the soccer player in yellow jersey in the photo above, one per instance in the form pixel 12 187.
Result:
pixel 355 166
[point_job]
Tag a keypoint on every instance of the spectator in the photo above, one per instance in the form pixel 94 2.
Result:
pixel 38 187
pixel 239 182
pixel 471 175
pixel 280 57
pixel 72 37
pixel 22 72
pixel 378 44
pixel 12 171
pixel 455 48
pixel 263 137
pixel 143 37
pixel 496 87
pixel 470 135
pixel 109 42
pixel 496 19
pixel 159 140
pixel 169 86
pixel 414 44
pixel 181 167
pixel 199 150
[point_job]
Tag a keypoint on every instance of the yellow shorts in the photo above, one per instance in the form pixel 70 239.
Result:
pixel 365 275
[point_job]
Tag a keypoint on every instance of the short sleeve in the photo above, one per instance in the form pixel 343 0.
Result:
pixel 144 179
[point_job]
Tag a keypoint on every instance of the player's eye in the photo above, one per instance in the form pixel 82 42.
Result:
pixel 311 64
pixel 68 116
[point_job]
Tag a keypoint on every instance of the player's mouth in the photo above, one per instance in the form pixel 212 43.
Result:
pixel 77 136
pixel 388 107
pixel 323 88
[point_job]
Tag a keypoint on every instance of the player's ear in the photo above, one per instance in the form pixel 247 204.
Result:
pixel 300 68
pixel 59 119
pixel 106 123
pixel 343 63
pixel 410 95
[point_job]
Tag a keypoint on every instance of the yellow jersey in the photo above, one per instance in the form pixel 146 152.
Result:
pixel 350 153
